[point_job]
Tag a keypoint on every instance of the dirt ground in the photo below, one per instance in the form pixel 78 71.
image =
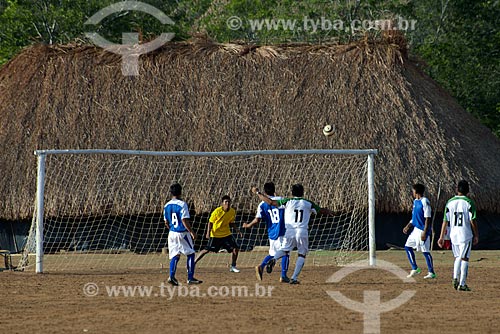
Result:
pixel 57 302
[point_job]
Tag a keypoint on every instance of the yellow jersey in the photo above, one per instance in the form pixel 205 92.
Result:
pixel 220 220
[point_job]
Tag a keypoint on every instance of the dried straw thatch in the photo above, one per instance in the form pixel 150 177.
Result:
pixel 236 97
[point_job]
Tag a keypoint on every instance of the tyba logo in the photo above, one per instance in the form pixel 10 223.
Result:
pixel 371 307
pixel 130 49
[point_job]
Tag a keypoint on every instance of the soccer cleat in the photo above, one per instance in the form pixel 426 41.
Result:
pixel 233 269
pixel 270 266
pixel 455 283
pixel 194 281
pixel 294 281
pixel 464 288
pixel 430 276
pixel 258 272
pixel 284 279
pixel 414 272
pixel 172 281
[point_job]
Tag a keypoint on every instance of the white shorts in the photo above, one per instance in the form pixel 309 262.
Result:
pixel 462 250
pixel 415 241
pixel 275 245
pixel 179 243
pixel 296 238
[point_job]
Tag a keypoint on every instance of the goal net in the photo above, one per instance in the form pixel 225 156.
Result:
pixel 103 210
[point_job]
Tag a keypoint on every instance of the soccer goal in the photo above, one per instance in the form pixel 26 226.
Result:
pixel 102 209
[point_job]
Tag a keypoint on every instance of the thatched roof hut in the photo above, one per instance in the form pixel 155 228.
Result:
pixel 76 97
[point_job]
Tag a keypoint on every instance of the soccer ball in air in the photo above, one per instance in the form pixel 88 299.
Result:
pixel 328 130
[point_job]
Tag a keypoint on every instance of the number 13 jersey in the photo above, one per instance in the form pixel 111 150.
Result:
pixel 459 211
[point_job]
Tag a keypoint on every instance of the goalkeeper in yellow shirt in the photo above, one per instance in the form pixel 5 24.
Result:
pixel 219 233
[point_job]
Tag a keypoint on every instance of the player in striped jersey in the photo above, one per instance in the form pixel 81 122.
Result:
pixel 180 236
pixel 420 237
pixel 460 213
pixel 298 211
pixel 275 222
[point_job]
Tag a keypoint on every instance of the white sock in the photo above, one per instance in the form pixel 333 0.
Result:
pixel 456 267
pixel 463 272
pixel 298 267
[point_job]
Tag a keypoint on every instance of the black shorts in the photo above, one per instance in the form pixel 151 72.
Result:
pixel 228 243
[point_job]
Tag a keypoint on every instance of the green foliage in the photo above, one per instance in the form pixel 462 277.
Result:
pixel 23 22
pixel 280 21
pixel 13 20
pixel 461 45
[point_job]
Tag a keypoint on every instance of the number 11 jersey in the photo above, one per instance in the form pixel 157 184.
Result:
pixel 298 212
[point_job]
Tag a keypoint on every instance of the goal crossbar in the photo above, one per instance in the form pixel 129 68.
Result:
pixel 208 154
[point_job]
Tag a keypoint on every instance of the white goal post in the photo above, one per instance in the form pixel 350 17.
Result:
pixel 102 209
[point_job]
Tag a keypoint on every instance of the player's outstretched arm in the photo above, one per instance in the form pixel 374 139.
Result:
pixel 326 212
pixel 252 223
pixel 263 197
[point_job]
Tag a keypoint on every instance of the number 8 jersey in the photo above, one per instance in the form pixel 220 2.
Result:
pixel 459 211
pixel 173 212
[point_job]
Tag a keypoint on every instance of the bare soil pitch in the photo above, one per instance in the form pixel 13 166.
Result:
pixel 56 303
